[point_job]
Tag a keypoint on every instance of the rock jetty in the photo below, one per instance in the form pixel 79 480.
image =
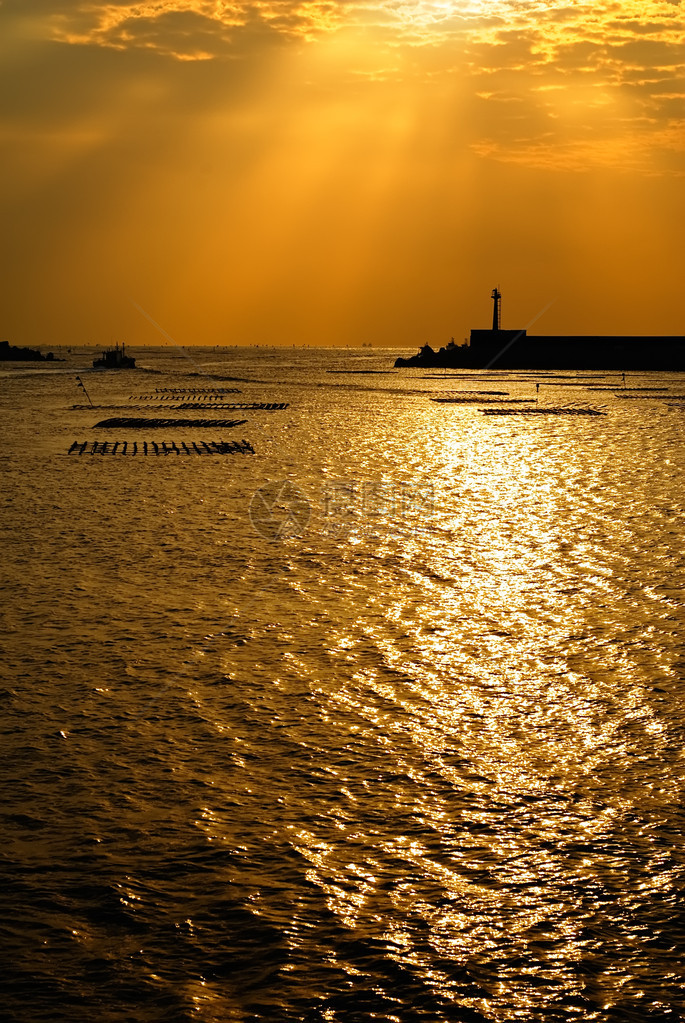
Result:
pixel 12 353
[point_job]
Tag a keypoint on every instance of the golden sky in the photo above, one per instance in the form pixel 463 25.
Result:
pixel 325 173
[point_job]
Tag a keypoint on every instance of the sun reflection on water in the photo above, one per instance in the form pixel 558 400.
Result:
pixel 432 771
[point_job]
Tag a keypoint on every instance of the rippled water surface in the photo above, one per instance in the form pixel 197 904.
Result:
pixel 399 738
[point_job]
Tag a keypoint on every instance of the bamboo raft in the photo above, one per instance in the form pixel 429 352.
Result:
pixel 181 394
pixel 256 406
pixel 144 424
pixel 465 391
pixel 473 400
pixel 214 447
pixel 654 397
pixel 616 390
pixel 196 390
pixel 550 411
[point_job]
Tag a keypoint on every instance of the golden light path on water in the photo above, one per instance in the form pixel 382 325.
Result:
pixel 482 665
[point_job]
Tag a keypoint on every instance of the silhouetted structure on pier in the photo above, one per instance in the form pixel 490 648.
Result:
pixel 515 349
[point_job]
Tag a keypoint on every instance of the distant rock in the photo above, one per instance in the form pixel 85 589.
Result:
pixel 450 355
pixel 11 353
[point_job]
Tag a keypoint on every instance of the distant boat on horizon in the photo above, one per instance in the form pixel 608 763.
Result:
pixel 115 358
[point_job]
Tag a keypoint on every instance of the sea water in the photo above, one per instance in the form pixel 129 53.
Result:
pixel 384 721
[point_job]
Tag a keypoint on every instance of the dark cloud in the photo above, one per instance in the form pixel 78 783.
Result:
pixel 189 35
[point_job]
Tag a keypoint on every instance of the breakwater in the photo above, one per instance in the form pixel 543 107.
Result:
pixel 514 349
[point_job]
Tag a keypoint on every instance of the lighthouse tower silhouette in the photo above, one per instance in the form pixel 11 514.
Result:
pixel 496 309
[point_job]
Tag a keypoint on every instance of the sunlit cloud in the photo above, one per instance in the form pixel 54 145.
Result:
pixel 552 72
pixel 650 32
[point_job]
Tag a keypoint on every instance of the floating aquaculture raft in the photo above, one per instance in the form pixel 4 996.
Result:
pixel 171 392
pixel 542 412
pixel 622 390
pixel 254 406
pixel 474 400
pixel 145 447
pixel 202 406
pixel 144 424
pixel 183 396
pixel 464 391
